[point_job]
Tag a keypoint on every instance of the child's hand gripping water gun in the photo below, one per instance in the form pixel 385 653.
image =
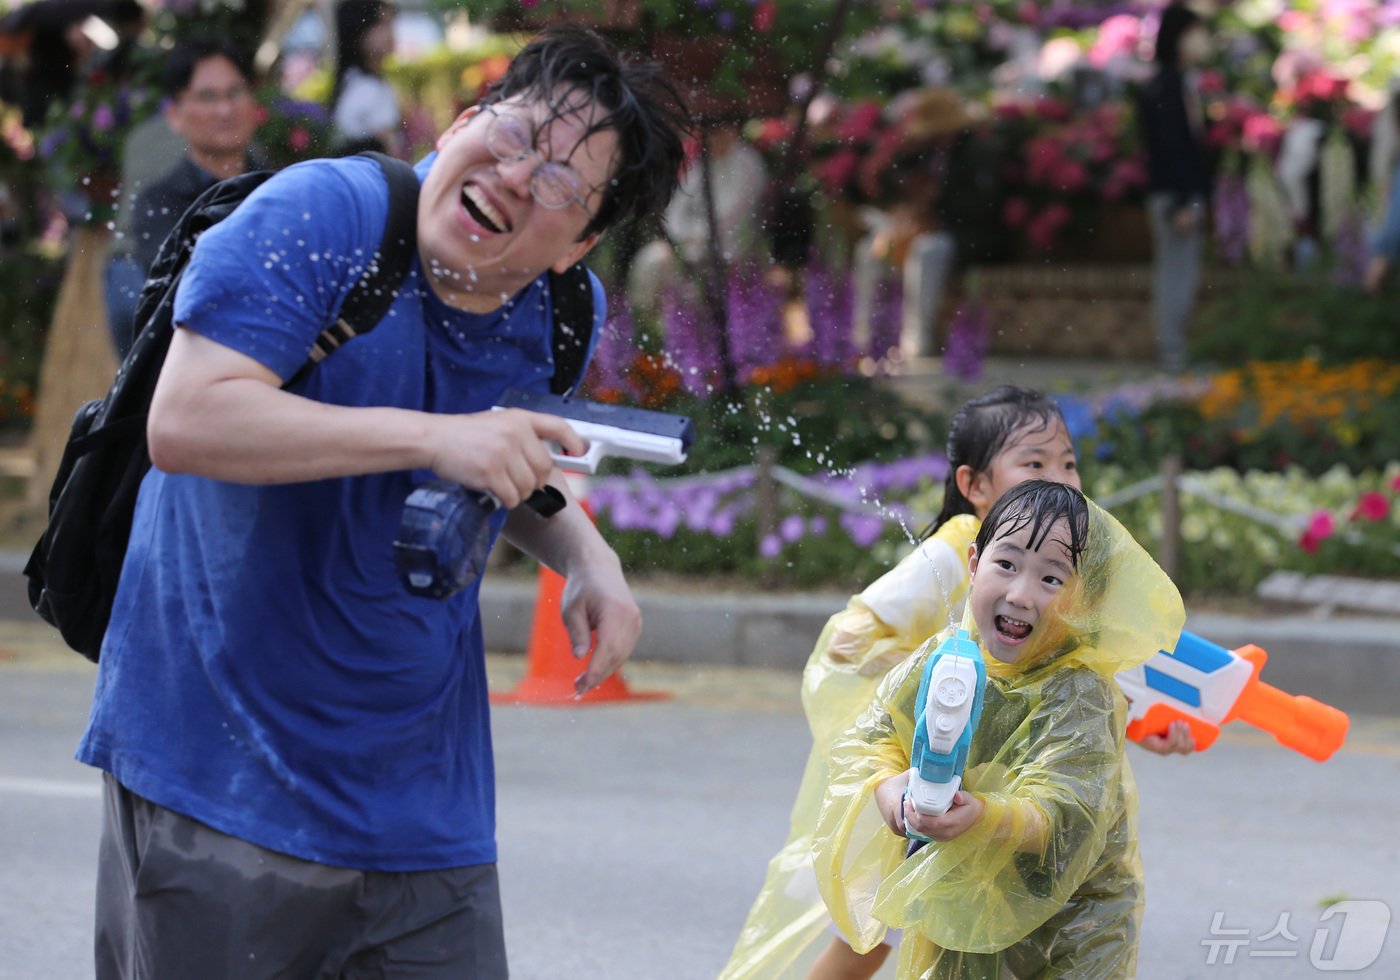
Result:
pixel 1207 686
pixel 948 708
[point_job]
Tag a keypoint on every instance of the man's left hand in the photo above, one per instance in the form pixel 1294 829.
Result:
pixel 600 614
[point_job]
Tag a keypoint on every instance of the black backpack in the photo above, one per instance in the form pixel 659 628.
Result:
pixel 77 561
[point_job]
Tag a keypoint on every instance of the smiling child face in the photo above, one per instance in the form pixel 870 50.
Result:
pixel 1015 583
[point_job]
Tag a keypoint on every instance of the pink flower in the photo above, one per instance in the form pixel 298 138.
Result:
pixel 764 15
pixel 298 139
pixel 1118 36
pixel 860 123
pixel 1358 121
pixel 1320 527
pixel 1262 132
pixel 1015 212
pixel 838 171
pixel 1071 176
pixel 1395 485
pixel 1211 82
pixel 1371 506
pixel 1056 110
pixel 1044 228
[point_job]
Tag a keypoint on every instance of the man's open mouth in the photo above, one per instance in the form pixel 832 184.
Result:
pixel 481 210
pixel 1012 629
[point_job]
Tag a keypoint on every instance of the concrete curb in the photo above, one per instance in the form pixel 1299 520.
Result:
pixel 1351 663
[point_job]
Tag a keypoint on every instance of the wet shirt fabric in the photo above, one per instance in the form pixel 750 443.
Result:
pixel 879 628
pixel 265 671
pixel 1049 881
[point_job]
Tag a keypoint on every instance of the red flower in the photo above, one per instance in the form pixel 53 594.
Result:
pixel 1371 506
pixel 764 15
pixel 860 122
pixel 1070 176
pixel 1320 528
pixel 1015 211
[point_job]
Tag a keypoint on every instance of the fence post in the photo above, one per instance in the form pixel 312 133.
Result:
pixel 1170 551
pixel 766 458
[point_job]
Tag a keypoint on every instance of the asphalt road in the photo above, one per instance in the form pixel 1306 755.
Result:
pixel 634 836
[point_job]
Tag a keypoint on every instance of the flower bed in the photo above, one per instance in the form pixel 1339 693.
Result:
pixel 1263 416
pixel 823 519
pixel 1340 523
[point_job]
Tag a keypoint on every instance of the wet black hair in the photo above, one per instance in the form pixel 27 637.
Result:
pixel 188 55
pixel 978 432
pixel 353 20
pixel 1177 19
pixel 1038 504
pixel 639 103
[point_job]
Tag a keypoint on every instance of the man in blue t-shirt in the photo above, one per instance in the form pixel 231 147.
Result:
pixel 298 754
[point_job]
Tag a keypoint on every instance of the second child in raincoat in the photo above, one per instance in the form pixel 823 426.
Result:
pixel 1035 870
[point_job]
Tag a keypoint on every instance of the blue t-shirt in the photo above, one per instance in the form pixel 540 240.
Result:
pixel 265 671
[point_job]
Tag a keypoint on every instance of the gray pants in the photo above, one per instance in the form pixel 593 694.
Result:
pixel 1176 277
pixel 177 899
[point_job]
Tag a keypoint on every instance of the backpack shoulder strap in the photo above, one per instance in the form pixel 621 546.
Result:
pixel 370 298
pixel 571 297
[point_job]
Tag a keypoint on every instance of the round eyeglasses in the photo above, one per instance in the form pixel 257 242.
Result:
pixel 554 185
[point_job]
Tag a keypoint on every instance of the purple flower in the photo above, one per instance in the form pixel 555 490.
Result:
pixel 791 528
pixel 722 523
pixel 1231 218
pixel 771 546
pixel 668 518
pixel 830 311
pixel 886 317
pixel 690 342
pixel 967 342
pixel 864 529
pixel 817 525
pixel 615 351
pixel 102 118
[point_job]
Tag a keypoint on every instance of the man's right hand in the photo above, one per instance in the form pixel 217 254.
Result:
pixel 505 453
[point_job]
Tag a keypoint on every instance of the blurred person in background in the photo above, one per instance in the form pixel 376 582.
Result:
pixel 364 105
pixel 1178 176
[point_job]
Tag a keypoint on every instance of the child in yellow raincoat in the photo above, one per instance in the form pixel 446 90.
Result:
pixel 994 441
pixel 1034 871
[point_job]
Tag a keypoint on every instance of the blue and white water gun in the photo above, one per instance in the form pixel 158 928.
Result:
pixel 949 707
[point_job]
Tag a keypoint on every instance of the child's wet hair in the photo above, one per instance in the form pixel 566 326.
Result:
pixel 978 432
pixel 1039 505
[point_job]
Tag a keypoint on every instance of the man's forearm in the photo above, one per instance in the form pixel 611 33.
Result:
pixel 245 431
pixel 561 541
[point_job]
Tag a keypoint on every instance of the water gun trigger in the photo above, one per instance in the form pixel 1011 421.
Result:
pixel 1158 718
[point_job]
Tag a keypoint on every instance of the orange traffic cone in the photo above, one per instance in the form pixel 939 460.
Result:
pixel 550 665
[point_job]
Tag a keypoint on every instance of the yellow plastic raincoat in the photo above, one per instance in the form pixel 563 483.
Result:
pixel 879 628
pixel 1048 882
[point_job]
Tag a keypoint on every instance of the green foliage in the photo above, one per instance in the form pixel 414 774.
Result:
pixel 830 423
pixel 28 289
pixel 1260 314
pixel 292 129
